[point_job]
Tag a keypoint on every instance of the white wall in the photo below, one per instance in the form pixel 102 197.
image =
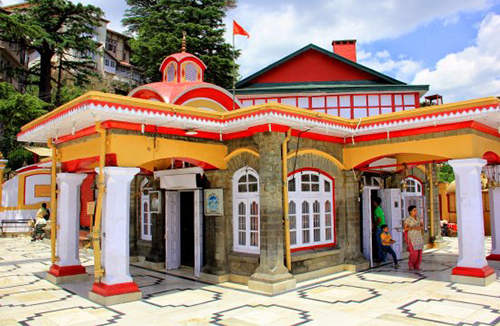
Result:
pixel 31 181
pixel 9 193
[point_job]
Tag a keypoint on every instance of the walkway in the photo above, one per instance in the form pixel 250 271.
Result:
pixel 382 296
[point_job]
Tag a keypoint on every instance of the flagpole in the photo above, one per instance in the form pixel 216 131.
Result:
pixel 234 77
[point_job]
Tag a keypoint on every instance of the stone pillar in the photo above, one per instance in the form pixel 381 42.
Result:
pixel 271 276
pixel 472 267
pixel 354 260
pixel 117 285
pixel 216 263
pixel 68 268
pixel 495 224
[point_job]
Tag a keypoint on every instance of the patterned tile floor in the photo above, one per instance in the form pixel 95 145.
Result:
pixel 382 296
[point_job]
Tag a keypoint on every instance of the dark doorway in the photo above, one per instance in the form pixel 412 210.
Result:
pixel 187 228
pixel 374 193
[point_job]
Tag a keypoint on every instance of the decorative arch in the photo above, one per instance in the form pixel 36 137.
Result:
pixel 146 93
pixel 210 92
pixel 414 186
pixel 239 151
pixel 317 153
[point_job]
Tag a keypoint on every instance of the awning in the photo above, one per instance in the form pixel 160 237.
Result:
pixel 40 151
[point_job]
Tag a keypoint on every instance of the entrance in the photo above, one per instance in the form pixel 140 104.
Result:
pixel 184 218
pixel 184 230
pixel 370 190
pixel 392 207
pixel 187 228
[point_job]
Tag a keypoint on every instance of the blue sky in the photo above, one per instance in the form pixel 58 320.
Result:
pixel 452 45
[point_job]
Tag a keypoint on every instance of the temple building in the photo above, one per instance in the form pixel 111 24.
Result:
pixel 268 189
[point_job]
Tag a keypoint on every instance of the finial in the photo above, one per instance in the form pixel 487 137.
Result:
pixel 183 47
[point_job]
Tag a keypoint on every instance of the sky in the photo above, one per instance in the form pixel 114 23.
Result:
pixel 451 45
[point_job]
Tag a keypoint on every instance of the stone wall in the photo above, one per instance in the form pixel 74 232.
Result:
pixel 219 230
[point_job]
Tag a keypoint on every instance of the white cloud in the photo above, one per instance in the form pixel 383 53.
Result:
pixel 279 28
pixel 471 73
pixel 404 69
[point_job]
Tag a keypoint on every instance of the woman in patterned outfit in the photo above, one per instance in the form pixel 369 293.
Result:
pixel 413 229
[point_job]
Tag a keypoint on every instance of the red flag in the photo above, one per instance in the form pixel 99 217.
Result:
pixel 238 30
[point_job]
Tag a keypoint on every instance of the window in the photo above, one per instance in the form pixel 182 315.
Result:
pixel 311 210
pixel 246 211
pixel 110 45
pixel 145 217
pixel 412 186
pixel 171 72
pixel 191 72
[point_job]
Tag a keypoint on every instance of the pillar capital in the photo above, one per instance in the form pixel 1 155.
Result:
pixel 74 179
pixel 467 163
pixel 117 172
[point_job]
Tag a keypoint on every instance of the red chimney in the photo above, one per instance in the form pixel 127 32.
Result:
pixel 345 48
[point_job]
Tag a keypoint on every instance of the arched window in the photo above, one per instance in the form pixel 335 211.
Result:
pixel 412 186
pixel 246 211
pixel 171 72
pixel 311 209
pixel 145 210
pixel 191 72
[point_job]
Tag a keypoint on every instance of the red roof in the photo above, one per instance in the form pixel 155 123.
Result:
pixel 167 91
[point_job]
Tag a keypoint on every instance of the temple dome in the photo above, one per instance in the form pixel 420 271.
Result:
pixel 183 84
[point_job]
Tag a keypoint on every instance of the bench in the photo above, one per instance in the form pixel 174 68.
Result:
pixel 10 224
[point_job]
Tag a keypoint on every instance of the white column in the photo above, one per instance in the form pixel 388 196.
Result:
pixel 68 218
pixel 495 223
pixel 115 224
pixel 470 220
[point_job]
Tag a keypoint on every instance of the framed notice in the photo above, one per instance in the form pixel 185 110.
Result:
pixel 42 190
pixel 154 202
pixel 214 202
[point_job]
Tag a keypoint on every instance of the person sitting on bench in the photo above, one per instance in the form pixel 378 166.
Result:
pixel 40 223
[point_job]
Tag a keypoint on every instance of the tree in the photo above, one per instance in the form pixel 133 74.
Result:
pixel 16 110
pixel 445 173
pixel 56 29
pixel 158 25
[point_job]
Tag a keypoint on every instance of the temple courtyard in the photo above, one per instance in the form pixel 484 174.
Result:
pixel 381 296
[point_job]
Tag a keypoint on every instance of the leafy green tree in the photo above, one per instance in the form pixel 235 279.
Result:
pixel 158 25
pixel 445 173
pixel 16 110
pixel 62 33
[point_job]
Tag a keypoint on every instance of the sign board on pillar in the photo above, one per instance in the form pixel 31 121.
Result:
pixel 154 201
pixel 214 202
pixel 91 207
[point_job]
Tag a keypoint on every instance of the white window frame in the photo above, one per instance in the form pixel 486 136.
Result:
pixel 300 197
pixel 246 198
pixel 419 187
pixel 146 227
pixel 145 200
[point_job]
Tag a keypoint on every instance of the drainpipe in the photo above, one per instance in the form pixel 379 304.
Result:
pixel 53 202
pixel 96 230
pixel 284 154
